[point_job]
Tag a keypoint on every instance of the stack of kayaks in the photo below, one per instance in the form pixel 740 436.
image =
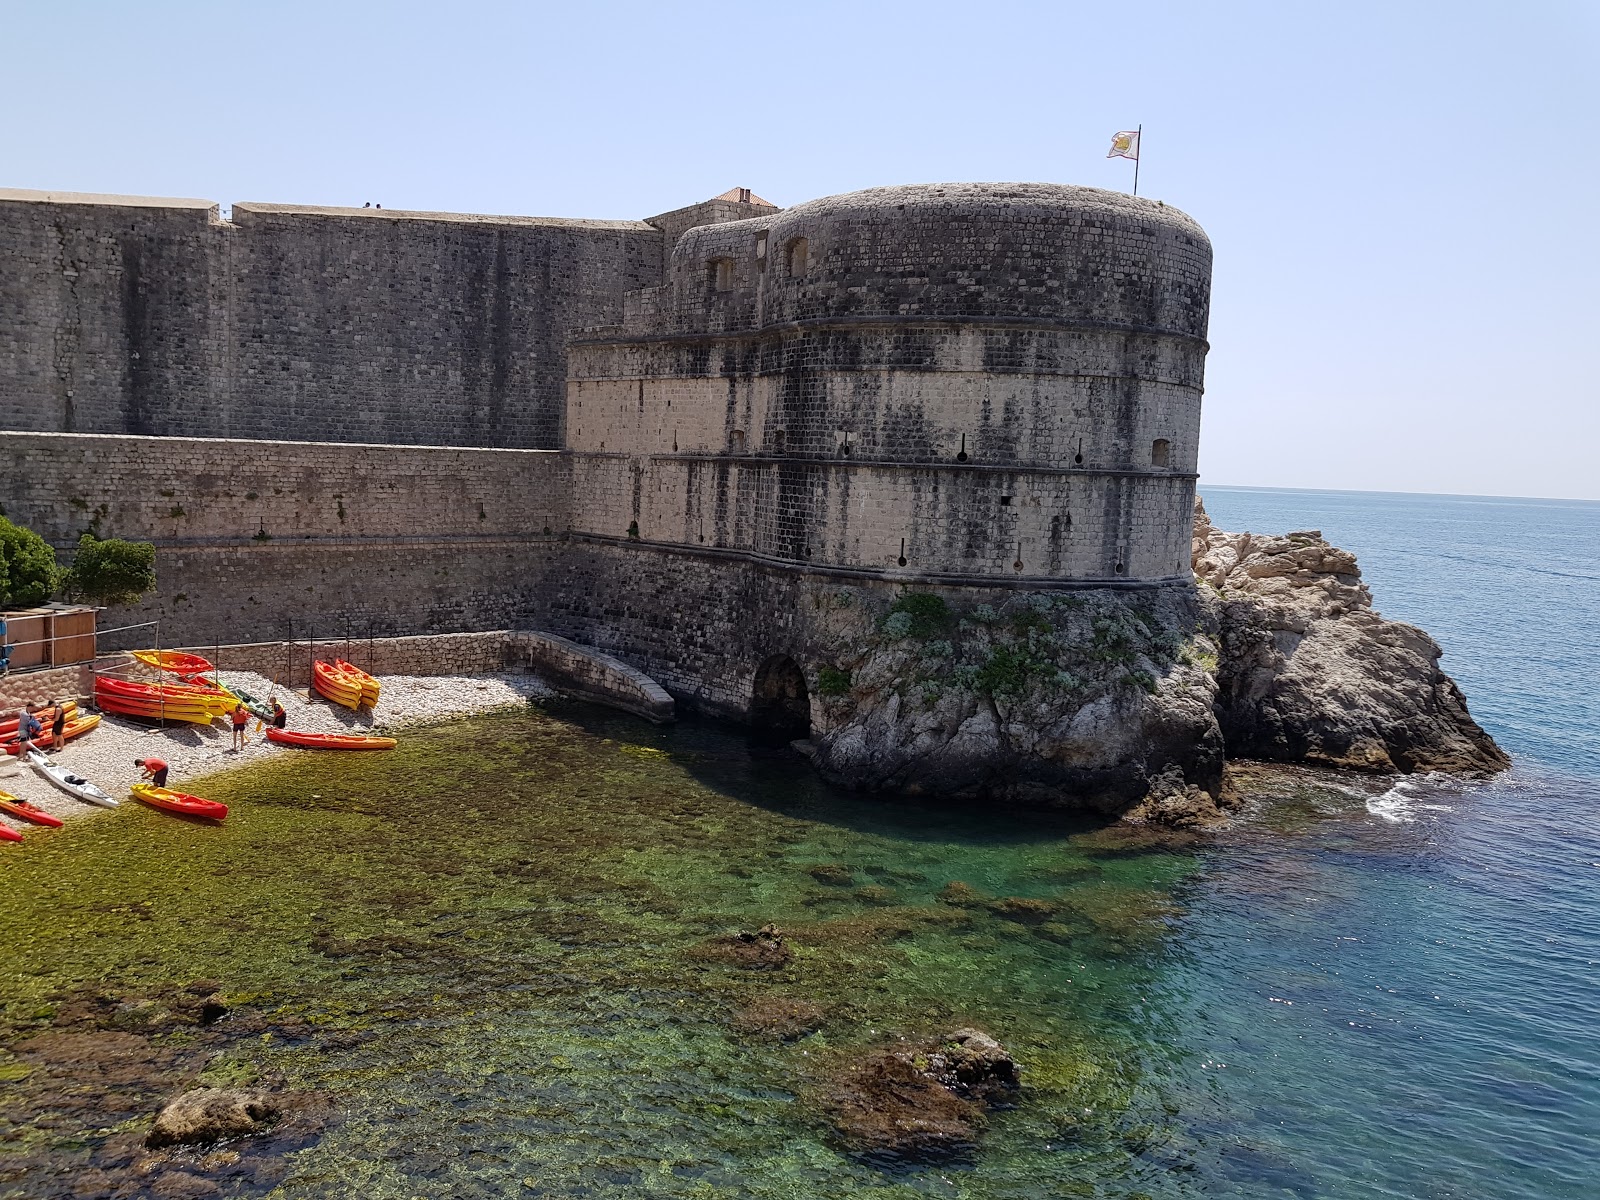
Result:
pixel 179 802
pixel 161 701
pixel 329 741
pixel 370 687
pixel 77 724
pixel 45 716
pixel 344 684
pixel 15 807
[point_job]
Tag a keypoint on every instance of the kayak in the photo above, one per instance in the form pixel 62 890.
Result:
pixel 47 739
pixel 179 802
pixel 370 687
pixel 335 684
pixel 8 726
pixel 167 702
pixel 8 834
pixel 176 661
pixel 75 786
pixel 329 741
pixel 12 806
pixel 218 701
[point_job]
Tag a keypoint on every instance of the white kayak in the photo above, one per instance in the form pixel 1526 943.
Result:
pixel 75 786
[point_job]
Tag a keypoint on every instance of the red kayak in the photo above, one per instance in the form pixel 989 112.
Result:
pixel 179 802
pixel 21 808
pixel 8 834
pixel 329 741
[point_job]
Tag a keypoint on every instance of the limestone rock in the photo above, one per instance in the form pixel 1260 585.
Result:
pixel 1309 672
pixel 213 1114
pixel 1059 700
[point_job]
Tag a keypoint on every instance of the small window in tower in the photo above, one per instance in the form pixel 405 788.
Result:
pixel 797 252
pixel 736 442
pixel 779 441
pixel 720 271
pixel 761 251
pixel 1160 452
pixel 1005 501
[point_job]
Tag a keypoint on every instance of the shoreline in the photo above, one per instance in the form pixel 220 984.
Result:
pixel 105 755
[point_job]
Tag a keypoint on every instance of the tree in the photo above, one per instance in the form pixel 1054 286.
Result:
pixel 111 571
pixel 28 571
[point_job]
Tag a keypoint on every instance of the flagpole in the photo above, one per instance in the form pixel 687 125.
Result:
pixel 1139 143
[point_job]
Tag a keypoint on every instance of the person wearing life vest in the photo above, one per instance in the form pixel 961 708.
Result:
pixel 240 716
pixel 280 718
pixel 155 770
pixel 28 728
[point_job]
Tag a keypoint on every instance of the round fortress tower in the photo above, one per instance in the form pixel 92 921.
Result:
pixel 982 380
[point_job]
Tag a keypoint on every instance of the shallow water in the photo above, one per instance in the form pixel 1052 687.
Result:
pixel 1361 990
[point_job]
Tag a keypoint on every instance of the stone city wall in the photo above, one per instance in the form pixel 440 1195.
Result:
pixel 277 539
pixel 151 316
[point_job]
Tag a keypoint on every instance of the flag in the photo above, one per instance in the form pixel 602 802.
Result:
pixel 1125 145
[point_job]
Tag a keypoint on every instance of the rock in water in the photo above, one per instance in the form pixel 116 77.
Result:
pixel 213 1114
pixel 919 1099
pixel 1308 672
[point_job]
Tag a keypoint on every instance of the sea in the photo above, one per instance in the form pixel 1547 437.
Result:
pixel 492 957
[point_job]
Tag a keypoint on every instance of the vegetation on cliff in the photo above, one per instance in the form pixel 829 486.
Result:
pixel 28 571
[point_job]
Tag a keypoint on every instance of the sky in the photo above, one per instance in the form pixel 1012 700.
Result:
pixel 1402 197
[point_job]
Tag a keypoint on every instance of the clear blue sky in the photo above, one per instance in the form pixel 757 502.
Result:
pixel 1403 197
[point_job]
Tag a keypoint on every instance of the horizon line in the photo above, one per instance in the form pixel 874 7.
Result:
pixel 1267 487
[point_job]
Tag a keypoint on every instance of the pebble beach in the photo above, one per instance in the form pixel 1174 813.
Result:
pixel 106 755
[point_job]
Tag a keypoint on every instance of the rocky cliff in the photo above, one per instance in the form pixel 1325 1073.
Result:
pixel 1127 702
pixel 1309 672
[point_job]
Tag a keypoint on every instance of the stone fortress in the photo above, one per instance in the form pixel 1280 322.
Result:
pixel 689 441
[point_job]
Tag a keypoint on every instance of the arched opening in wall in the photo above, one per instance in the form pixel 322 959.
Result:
pixel 719 273
pixel 780 705
pixel 1160 453
pixel 795 257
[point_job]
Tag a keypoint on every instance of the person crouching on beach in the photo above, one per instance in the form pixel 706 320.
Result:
pixel 28 728
pixel 280 718
pixel 155 770
pixel 241 721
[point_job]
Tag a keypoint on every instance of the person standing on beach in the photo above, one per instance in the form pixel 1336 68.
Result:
pixel 240 717
pixel 58 727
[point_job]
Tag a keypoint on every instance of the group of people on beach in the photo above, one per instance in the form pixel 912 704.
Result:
pixel 29 727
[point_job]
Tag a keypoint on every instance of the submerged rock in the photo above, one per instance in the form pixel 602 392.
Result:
pixel 781 1017
pixel 212 1115
pixel 1309 672
pixel 763 950
pixel 924 1099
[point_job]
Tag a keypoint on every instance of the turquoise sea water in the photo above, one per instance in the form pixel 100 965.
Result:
pixel 1409 998
pixel 496 966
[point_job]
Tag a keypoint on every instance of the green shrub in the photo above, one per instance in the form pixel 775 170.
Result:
pixel 111 571
pixel 917 614
pixel 28 571
pixel 831 681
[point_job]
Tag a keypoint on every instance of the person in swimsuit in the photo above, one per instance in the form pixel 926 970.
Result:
pixel 155 770
pixel 58 727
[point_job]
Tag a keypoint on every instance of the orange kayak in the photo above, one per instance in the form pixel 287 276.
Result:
pixel 82 725
pixel 335 684
pixel 8 834
pixel 174 660
pixel 15 807
pixel 329 741
pixel 179 802
pixel 8 726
